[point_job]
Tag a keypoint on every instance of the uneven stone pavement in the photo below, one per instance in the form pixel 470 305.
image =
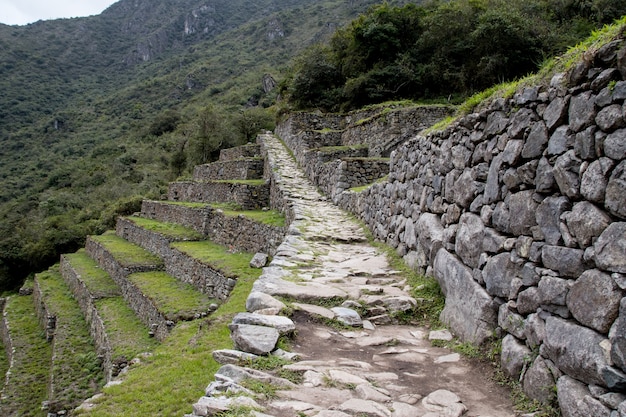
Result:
pixel 374 369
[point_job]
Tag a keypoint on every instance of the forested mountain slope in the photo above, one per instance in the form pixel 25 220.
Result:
pixel 88 107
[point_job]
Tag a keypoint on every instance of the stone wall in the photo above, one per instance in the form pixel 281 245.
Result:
pixel 239 232
pixel 202 276
pixel 140 303
pixel 7 341
pixel 47 319
pixel 383 131
pixel 86 301
pixel 250 150
pixel 238 169
pixel 193 217
pixel 519 211
pixel 248 196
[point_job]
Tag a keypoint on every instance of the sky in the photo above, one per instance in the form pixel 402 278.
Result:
pixel 21 12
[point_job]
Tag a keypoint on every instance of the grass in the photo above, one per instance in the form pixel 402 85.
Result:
pixel 97 281
pixel 218 257
pixel 176 300
pixel 252 183
pixel 175 376
pixel 127 335
pixel 75 366
pixel 28 385
pixel 366 186
pixel 332 149
pixel 188 204
pixel 127 254
pixel 268 217
pixel 170 230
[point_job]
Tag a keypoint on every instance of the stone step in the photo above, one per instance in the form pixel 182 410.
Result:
pixel 236 169
pixel 117 332
pixel 76 371
pixel 30 358
pixel 225 224
pixel 251 150
pixel 249 194
pixel 154 236
pixel 330 153
pixel 121 259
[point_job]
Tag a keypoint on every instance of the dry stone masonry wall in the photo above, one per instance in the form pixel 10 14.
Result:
pixel 519 211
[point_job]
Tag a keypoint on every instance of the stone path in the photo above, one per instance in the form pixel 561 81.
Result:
pixel 376 369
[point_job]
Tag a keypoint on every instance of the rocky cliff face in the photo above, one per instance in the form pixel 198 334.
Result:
pixel 518 211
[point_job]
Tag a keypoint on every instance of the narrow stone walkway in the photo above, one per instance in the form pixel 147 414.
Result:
pixel 375 368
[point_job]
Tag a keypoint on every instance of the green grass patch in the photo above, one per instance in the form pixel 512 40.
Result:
pixel 169 230
pixel 188 204
pixel 97 281
pixel 268 217
pixel 174 378
pixel 264 389
pixel 126 253
pixel 4 364
pixel 176 300
pixel 332 149
pixel 252 183
pixel 218 257
pixel 366 186
pixel 127 335
pixel 76 368
pixel 28 384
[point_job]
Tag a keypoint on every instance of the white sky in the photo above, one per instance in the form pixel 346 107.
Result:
pixel 21 12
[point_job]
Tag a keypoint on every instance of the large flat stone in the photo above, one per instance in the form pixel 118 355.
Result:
pixel 470 312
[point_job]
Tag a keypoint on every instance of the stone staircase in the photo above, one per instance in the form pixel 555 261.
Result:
pixel 120 296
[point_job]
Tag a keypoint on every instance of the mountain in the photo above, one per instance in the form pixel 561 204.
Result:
pixel 85 104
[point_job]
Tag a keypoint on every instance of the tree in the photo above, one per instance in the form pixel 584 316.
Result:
pixel 250 122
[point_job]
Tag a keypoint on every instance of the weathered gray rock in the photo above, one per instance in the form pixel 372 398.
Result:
pixel 575 350
pixel 528 300
pixel 210 406
pixel 315 310
pixel 594 300
pixel 356 406
pixel 283 324
pixel 548 217
pixel 615 145
pixel 259 260
pixel 611 118
pixel 536 141
pixel 513 357
pixel 610 248
pixel 238 374
pixel 554 290
pixel 582 111
pixel 575 400
pixel 259 340
pixel 615 197
pixel 231 356
pixel 496 123
pixel 595 179
pixel 399 304
pixel 347 316
pixel 544 178
pixel 585 143
pixel 430 234
pixel 492 187
pixel 539 382
pixel 444 402
pixel 520 122
pixel 534 330
pixel 261 301
pixel 560 141
pixel 568 262
pixel 566 174
pixel 586 222
pixel 469 311
pixel 511 322
pixel 498 274
pixel 466 188
pixel 469 238
pixel 524 207
pixel 617 335
pixel 556 112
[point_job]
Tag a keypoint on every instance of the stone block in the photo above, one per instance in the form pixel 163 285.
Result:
pixel 568 262
pixel 539 382
pixel 615 197
pixel 575 400
pixel 498 274
pixel 470 311
pixel 610 248
pixel 575 350
pixel 594 300
pixel 514 356
pixel 595 180
pixel 586 222
pixel 567 174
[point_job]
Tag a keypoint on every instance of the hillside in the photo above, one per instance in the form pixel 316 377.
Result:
pixel 84 101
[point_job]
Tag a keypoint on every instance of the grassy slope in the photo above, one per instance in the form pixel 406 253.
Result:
pixel 75 367
pixel 28 384
pixel 174 377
